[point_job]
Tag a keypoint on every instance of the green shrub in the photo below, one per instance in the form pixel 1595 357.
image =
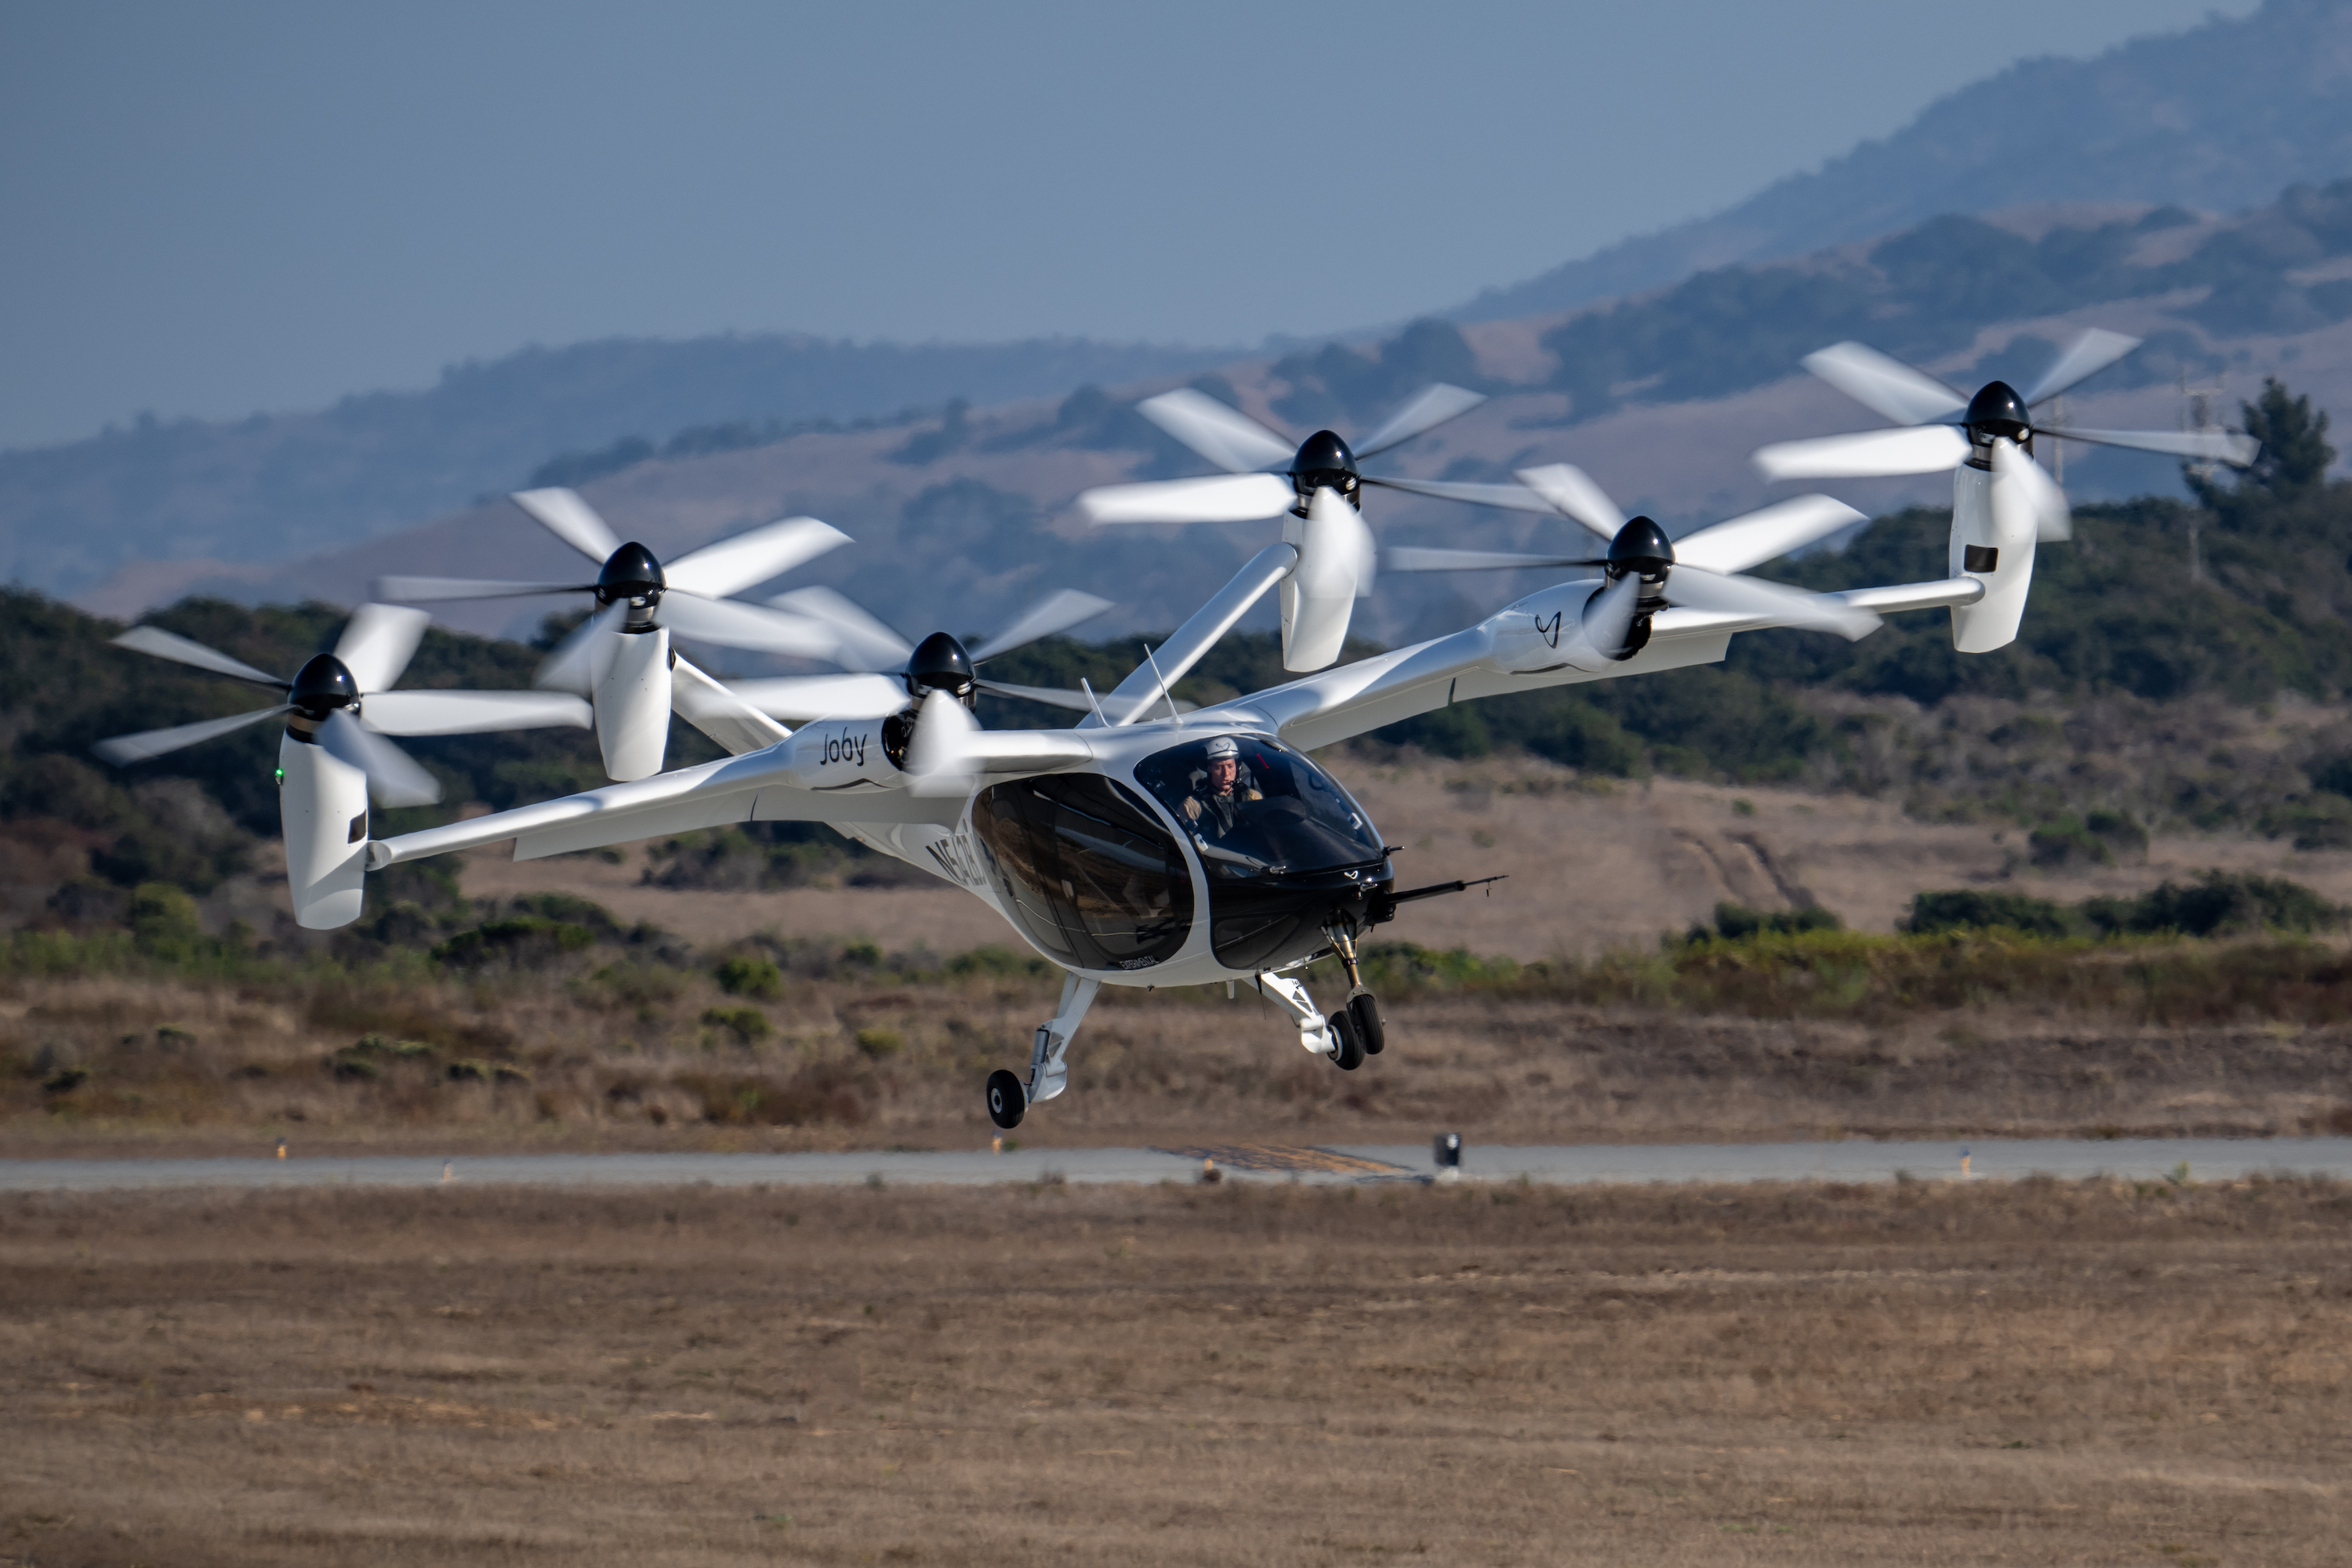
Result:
pixel 746 1024
pixel 1736 922
pixel 745 975
pixel 520 942
pixel 1968 909
pixel 879 1043
pixel 2217 902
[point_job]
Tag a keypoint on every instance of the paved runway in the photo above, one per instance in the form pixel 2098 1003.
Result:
pixel 2207 1159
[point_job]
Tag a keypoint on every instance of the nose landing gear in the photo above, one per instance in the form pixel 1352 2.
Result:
pixel 1362 1011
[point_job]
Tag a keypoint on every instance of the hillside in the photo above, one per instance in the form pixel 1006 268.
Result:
pixel 2204 118
pixel 962 518
pixel 277 486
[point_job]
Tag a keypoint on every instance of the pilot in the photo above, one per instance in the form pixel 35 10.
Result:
pixel 1217 795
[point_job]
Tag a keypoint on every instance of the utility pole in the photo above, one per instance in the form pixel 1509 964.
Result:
pixel 2196 414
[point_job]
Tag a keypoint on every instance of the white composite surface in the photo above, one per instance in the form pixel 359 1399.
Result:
pixel 2207 1159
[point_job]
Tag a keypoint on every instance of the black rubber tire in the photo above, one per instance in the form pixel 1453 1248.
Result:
pixel 1007 1100
pixel 1352 1043
pixel 1367 1014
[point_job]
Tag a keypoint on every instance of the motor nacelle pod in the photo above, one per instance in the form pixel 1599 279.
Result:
pixel 322 808
pixel 632 696
pixel 1993 534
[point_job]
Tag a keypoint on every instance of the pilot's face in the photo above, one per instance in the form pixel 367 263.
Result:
pixel 1222 771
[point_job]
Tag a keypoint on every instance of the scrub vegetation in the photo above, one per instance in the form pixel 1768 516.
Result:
pixel 544 1022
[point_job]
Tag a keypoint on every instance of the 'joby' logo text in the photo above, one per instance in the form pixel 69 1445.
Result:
pixel 847 747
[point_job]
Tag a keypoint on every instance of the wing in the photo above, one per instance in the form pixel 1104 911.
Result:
pixel 756 787
pixel 1513 650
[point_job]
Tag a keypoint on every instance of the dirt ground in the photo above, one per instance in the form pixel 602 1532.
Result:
pixel 1590 866
pixel 1944 1374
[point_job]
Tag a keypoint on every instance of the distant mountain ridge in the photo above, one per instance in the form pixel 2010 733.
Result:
pixel 2213 118
pixel 272 486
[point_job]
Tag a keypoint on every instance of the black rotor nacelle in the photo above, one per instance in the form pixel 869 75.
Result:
pixel 631 573
pixel 1997 410
pixel 322 686
pixel 1642 548
pixel 1324 462
pixel 940 664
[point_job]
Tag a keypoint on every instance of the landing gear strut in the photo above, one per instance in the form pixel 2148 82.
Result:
pixel 1049 1072
pixel 1363 1013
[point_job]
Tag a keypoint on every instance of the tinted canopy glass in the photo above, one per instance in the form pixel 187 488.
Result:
pixel 1085 869
pixel 1264 810
pixel 1286 850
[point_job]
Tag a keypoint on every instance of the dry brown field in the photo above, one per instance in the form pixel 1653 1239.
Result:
pixel 1930 1374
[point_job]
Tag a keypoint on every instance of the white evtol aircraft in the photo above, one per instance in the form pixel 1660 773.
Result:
pixel 1147 846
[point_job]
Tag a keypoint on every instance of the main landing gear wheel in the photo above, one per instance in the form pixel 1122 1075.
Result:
pixel 1352 1043
pixel 1367 1014
pixel 1007 1100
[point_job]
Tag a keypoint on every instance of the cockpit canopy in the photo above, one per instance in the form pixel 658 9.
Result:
pixel 1280 814
pixel 1286 853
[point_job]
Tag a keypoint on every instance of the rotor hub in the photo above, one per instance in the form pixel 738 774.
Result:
pixel 1642 548
pixel 322 686
pixel 940 664
pixel 632 573
pixel 1324 462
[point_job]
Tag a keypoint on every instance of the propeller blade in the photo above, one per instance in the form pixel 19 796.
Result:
pixel 377 643
pixel 1335 552
pixel 1887 386
pixel 2010 466
pixel 733 624
pixel 1225 498
pixel 1697 588
pixel 472 713
pixel 180 650
pixel 936 759
pixel 575 663
pixel 1431 407
pixel 862 639
pixel 801 698
pixel 1767 534
pixel 124 750
pixel 1055 696
pixel 393 777
pixel 563 513
pixel 2089 354
pixel 1868 454
pixel 433 590
pixel 719 713
pixel 1510 498
pixel 2233 447
pixel 1571 493
pixel 1608 614
pixel 1226 436
pixel 731 566
pixel 1413 558
pixel 1058 614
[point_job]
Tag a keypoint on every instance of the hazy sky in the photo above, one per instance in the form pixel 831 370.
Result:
pixel 212 209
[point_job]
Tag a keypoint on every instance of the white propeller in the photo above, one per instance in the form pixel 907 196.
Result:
pixel 2039 491
pixel 375 646
pixel 695 597
pixel 876 693
pixel 1913 398
pixel 1702 575
pixel 1247 449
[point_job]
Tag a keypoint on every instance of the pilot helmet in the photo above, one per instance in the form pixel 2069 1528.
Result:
pixel 1223 748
